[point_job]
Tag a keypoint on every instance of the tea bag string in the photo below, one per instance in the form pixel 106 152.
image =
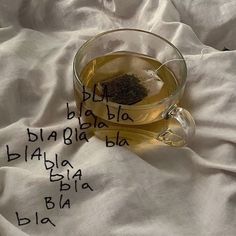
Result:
pixel 180 59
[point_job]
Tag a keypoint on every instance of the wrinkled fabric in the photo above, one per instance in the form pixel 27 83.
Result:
pixel 156 191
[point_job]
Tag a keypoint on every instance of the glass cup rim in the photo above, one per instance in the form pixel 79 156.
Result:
pixel 130 107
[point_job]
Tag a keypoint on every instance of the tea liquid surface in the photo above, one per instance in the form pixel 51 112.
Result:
pixel 159 84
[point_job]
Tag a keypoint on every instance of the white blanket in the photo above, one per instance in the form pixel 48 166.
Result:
pixel 161 191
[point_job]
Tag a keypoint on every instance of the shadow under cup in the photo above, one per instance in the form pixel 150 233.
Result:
pixel 161 120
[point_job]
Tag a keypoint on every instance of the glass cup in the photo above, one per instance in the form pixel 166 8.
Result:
pixel 162 120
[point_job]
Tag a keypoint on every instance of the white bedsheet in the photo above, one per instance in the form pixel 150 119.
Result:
pixel 163 191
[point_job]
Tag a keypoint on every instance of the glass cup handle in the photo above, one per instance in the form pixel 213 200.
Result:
pixel 185 127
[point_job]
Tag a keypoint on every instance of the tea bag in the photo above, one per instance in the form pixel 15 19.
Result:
pixel 128 89
pixel 125 89
pixel 136 80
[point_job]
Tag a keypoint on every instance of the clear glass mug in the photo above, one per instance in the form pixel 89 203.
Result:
pixel 161 121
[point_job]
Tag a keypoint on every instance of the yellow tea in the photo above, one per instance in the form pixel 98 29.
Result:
pixel 130 80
